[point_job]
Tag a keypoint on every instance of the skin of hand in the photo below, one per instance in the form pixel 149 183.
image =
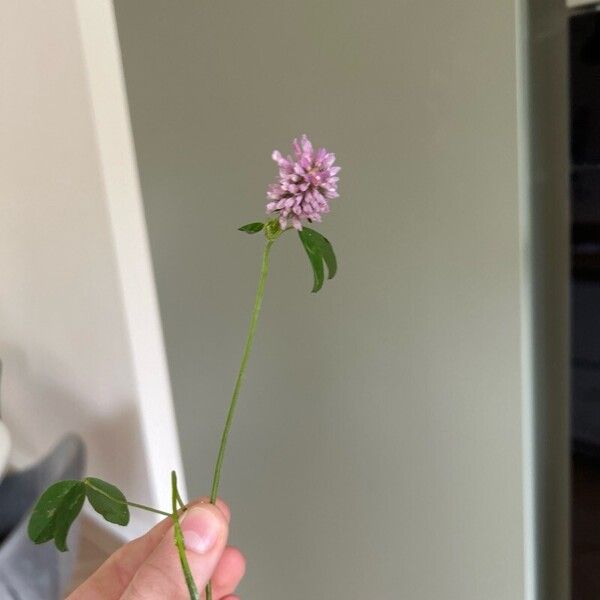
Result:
pixel 148 568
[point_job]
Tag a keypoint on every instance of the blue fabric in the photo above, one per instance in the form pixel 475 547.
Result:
pixel 27 571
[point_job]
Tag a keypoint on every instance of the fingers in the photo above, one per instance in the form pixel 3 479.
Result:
pixel 229 573
pixel 205 531
pixel 111 580
pixel 220 504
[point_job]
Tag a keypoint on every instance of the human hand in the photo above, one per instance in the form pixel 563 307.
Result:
pixel 149 569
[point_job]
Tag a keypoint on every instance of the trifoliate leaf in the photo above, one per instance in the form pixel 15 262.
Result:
pixel 252 228
pixel 107 500
pixel 319 251
pixel 55 512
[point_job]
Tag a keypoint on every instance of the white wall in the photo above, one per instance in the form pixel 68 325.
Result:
pixel 385 443
pixel 79 334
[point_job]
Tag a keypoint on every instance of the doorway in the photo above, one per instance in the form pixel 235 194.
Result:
pixel 584 57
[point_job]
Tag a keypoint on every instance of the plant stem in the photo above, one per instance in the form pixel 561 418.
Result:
pixel 179 542
pixel 148 508
pixel 260 292
pixel 181 502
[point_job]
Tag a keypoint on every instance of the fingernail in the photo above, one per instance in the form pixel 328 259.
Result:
pixel 201 528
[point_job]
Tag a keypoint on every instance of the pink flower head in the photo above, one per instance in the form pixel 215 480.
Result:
pixel 306 184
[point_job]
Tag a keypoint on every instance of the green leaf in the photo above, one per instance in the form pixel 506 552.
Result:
pixel 326 249
pixel 55 512
pixel 66 515
pixel 314 256
pixel 319 251
pixel 252 228
pixel 107 500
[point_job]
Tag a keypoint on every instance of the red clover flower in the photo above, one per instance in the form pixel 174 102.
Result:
pixel 306 184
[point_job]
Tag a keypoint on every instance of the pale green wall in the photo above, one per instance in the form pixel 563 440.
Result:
pixel 378 449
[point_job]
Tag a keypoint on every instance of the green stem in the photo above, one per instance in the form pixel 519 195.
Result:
pixel 132 504
pixel 181 502
pixel 260 292
pixel 148 508
pixel 179 542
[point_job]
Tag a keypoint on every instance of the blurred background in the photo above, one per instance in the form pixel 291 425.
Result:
pixel 401 434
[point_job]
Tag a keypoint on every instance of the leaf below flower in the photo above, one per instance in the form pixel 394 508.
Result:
pixel 319 250
pixel 252 227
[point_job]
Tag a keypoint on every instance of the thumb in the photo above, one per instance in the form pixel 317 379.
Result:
pixel 160 576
